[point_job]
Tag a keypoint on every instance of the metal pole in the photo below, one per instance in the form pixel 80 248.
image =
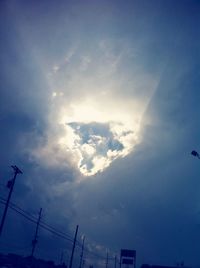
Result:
pixel 17 171
pixel 74 244
pixel 115 261
pixel 82 249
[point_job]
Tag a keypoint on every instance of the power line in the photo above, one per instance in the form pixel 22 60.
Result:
pixel 31 218
pixel 50 228
pixel 22 214
pixel 55 233
pixel 27 215
pixel 40 224
pixel 56 230
pixel 44 223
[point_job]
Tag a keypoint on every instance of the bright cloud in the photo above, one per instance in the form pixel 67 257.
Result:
pixel 93 137
pixel 97 145
pixel 95 112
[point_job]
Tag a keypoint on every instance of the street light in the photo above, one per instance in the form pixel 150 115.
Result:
pixel 194 153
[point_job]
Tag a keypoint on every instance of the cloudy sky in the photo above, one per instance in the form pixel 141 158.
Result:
pixel 99 107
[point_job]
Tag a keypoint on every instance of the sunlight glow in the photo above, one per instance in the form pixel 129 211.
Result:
pixel 98 132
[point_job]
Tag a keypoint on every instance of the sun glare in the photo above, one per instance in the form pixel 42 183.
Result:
pixel 98 132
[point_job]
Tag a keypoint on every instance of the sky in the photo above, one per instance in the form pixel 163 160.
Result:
pixel 99 107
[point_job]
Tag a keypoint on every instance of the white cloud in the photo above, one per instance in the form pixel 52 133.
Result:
pixel 56 68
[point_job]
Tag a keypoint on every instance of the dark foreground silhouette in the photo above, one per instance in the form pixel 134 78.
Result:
pixel 17 261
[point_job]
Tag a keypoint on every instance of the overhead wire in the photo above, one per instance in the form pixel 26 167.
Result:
pixel 41 225
pixel 33 219
pixel 51 229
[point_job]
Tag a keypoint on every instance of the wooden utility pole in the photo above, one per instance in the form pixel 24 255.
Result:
pixel 10 185
pixel 34 241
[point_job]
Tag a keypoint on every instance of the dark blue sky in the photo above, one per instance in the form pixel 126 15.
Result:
pixel 124 73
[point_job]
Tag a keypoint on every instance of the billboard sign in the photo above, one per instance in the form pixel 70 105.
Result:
pixel 127 261
pixel 128 253
pixel 128 257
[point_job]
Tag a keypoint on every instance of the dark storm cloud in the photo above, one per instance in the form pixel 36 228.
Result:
pixel 156 201
pixel 23 112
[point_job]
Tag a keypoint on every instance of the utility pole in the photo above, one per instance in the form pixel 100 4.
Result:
pixel 10 185
pixel 83 264
pixel 74 244
pixel 82 249
pixel 34 241
pixel 115 261
pixel 107 260
pixel 61 258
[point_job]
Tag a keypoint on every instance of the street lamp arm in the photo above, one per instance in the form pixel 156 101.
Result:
pixel 194 153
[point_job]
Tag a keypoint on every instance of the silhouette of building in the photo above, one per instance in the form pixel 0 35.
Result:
pixel 161 266
pixel 17 261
